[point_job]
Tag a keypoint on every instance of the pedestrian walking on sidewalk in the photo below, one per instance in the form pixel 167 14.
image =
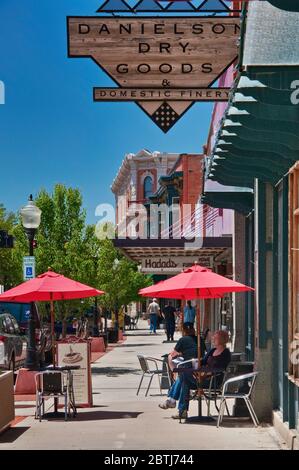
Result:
pixel 154 311
pixel 189 313
pixel 169 317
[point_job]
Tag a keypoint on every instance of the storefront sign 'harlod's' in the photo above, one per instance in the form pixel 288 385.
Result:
pixel 172 264
pixel 164 64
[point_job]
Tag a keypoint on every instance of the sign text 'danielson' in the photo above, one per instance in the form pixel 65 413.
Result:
pixel 187 52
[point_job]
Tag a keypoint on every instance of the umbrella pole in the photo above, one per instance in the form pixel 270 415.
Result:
pixel 53 346
pixel 53 331
pixel 198 333
pixel 199 355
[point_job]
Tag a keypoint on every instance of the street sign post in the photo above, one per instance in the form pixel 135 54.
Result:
pixel 28 268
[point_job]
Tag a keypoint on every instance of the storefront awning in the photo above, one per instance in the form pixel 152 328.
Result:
pixel 288 5
pixel 238 200
pixel 139 249
pixel 258 135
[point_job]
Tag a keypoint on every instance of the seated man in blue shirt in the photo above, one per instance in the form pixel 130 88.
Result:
pixel 186 348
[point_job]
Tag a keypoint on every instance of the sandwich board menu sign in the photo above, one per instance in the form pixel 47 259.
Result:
pixel 76 352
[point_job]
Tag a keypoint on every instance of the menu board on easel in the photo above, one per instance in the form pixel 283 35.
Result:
pixel 74 352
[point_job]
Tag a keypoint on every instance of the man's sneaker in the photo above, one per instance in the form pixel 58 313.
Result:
pixel 181 415
pixel 167 404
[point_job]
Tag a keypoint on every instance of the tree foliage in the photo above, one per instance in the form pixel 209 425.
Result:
pixel 11 271
pixel 121 281
pixel 69 246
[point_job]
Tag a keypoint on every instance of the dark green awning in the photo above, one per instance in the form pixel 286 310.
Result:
pixel 240 201
pixel 258 136
pixel 288 5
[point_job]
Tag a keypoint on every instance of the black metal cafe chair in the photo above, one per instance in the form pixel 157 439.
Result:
pixel 50 384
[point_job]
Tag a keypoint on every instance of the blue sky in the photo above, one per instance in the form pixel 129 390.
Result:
pixel 51 131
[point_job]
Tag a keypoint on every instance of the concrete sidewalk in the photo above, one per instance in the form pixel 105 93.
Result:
pixel 120 420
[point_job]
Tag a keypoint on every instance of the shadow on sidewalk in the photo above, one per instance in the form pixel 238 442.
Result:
pixel 12 434
pixel 229 422
pixel 114 371
pixel 136 345
pixel 137 334
pixel 103 415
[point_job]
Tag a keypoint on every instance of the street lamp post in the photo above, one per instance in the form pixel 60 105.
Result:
pixel 95 329
pixel 116 325
pixel 105 321
pixel 105 326
pixel 31 216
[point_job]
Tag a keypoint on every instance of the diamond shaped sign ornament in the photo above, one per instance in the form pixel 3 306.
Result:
pixel 151 6
pixel 164 63
pixel 177 7
pixel 213 5
pixel 165 117
pixel 147 5
pixel 115 5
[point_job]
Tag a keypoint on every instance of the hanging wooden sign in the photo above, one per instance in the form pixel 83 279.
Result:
pixel 164 64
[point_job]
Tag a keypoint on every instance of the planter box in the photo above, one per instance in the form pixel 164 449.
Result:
pixel 105 338
pixel 112 336
pixel 98 345
pixel 7 404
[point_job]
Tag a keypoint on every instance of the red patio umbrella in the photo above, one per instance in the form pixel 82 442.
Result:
pixel 196 282
pixel 49 287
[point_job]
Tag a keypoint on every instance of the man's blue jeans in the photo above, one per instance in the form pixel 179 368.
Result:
pixel 153 322
pixel 175 389
pixel 188 383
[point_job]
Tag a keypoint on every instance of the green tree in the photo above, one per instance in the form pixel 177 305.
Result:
pixel 61 233
pixel 121 281
pixel 11 271
pixel 70 247
pixel 65 243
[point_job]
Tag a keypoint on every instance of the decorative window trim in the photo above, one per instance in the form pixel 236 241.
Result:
pixel 145 174
pixel 152 186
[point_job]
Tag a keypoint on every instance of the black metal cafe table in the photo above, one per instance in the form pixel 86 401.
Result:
pixel 200 374
pixel 70 390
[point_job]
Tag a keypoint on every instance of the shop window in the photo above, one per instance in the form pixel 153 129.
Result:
pixel 294 274
pixel 148 187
